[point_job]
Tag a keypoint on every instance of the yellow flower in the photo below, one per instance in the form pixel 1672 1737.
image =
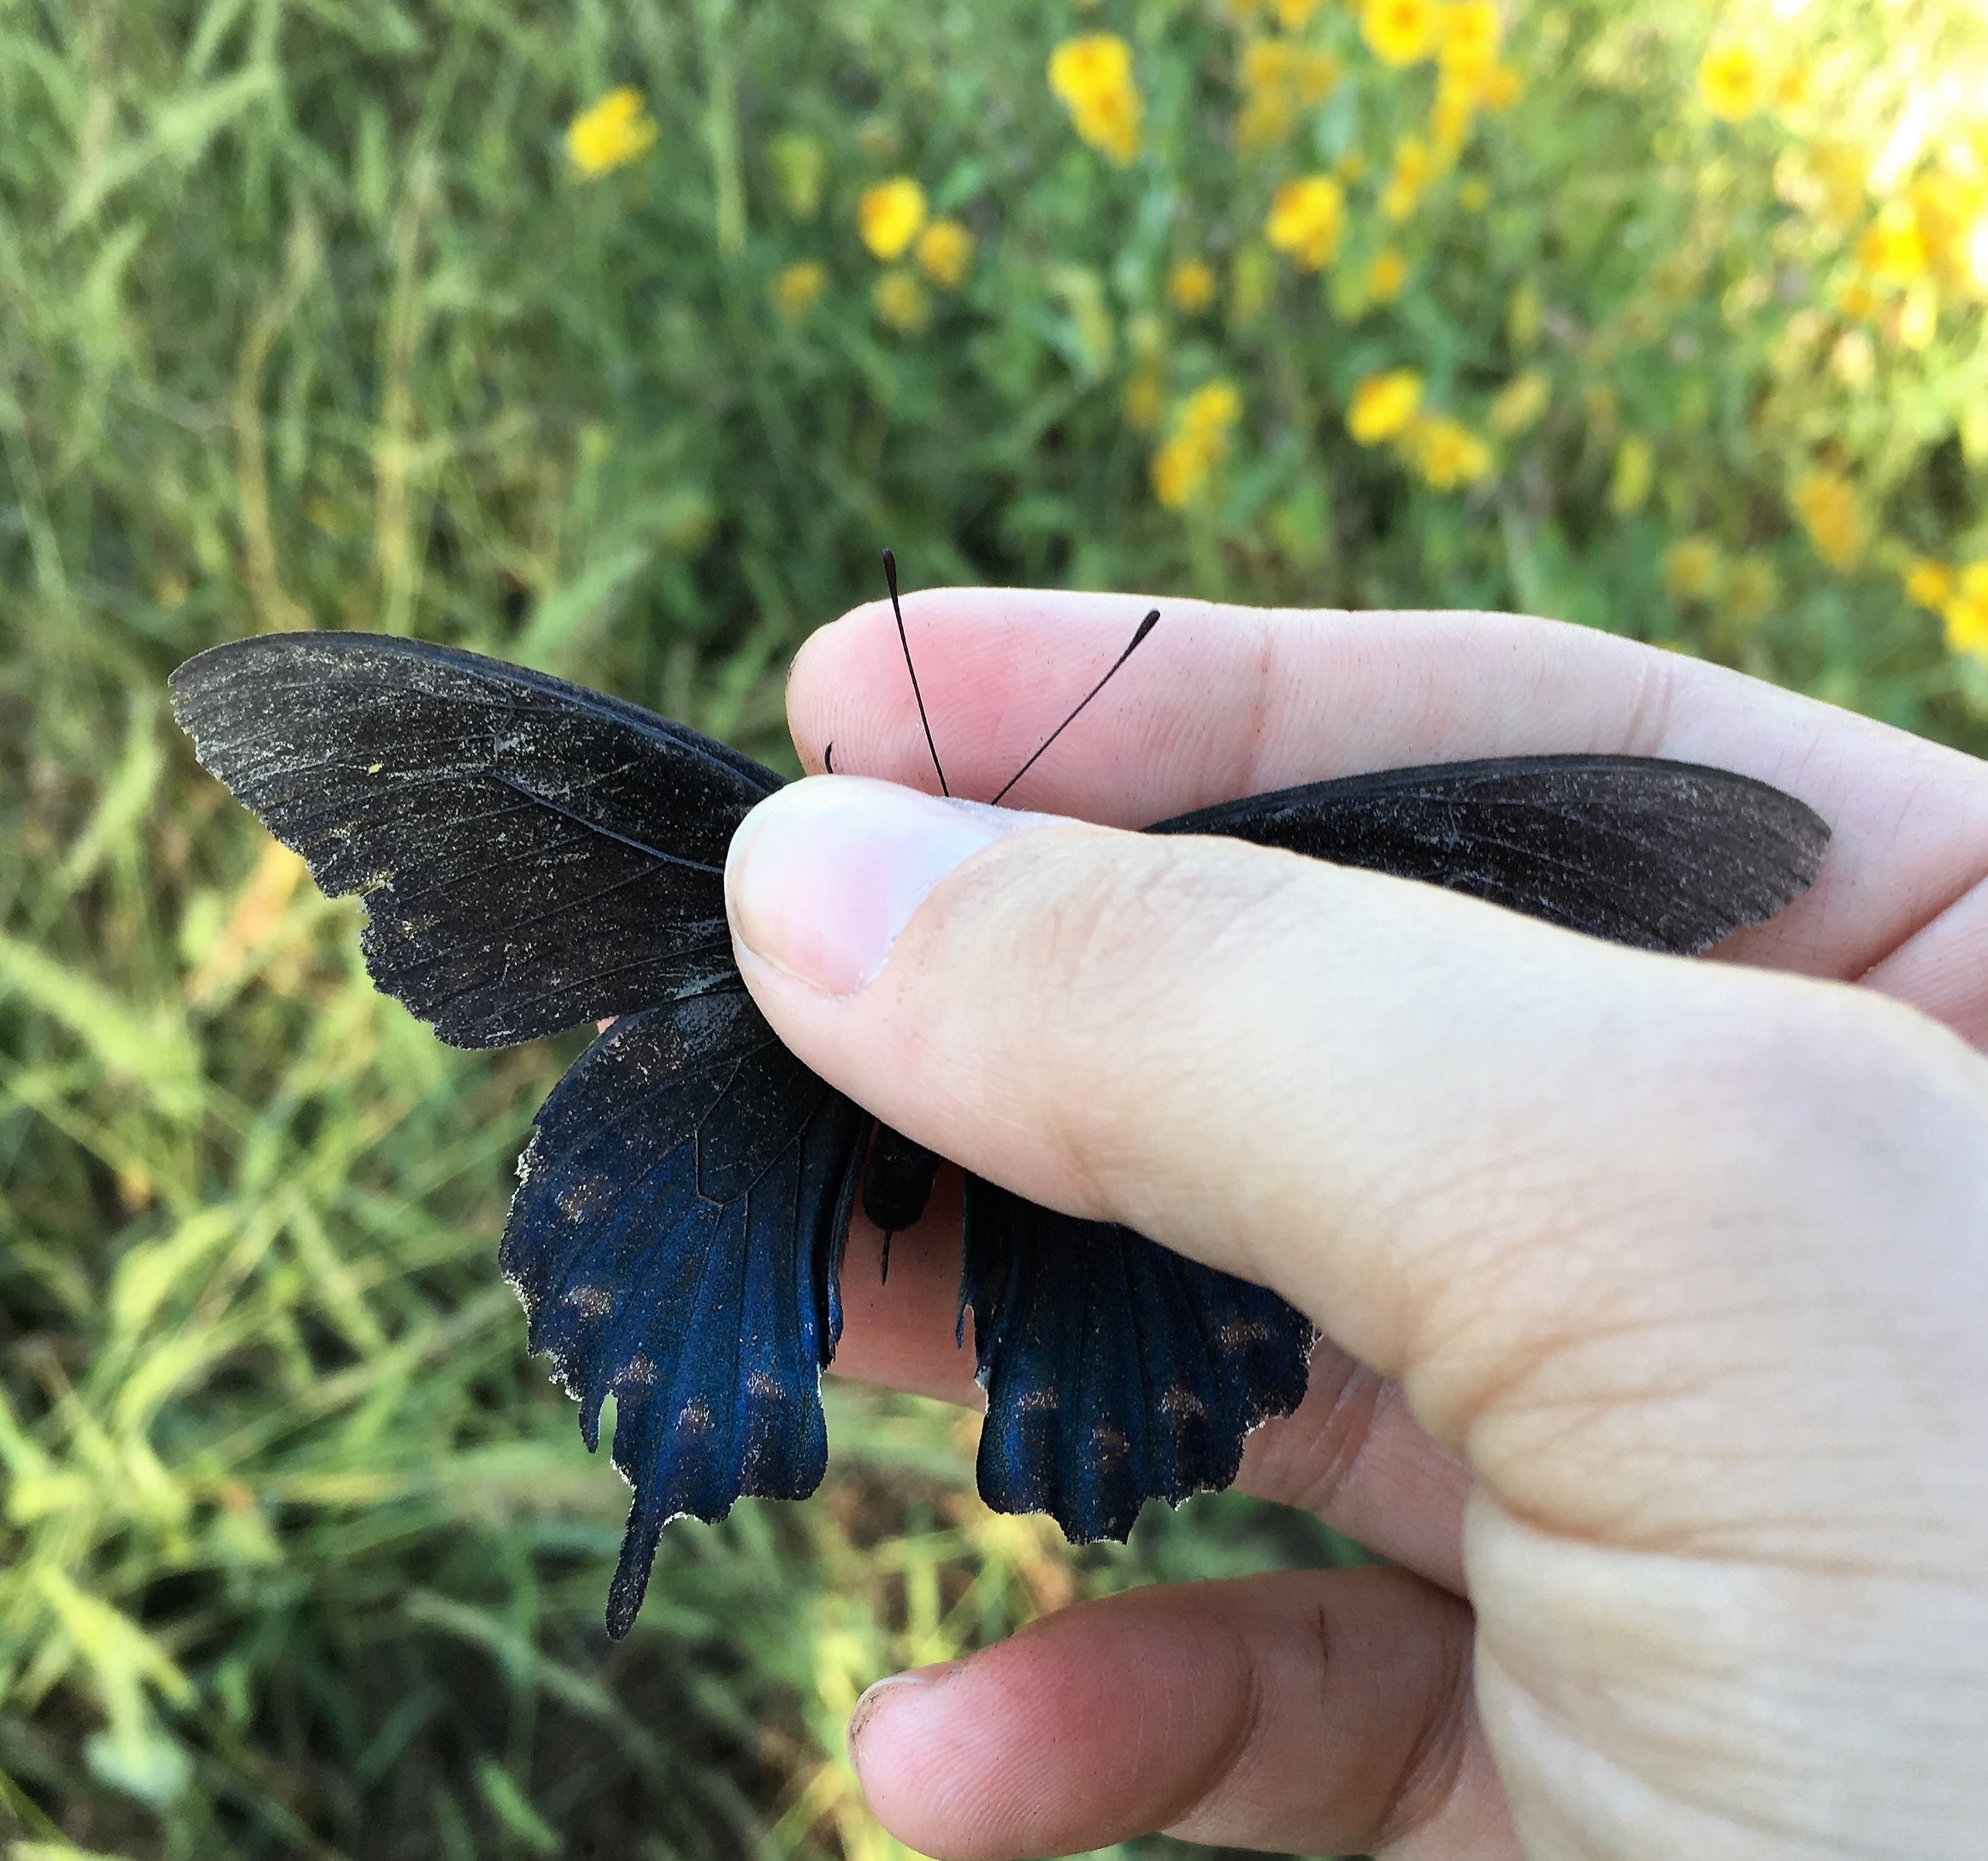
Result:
pixel 1447 454
pixel 1390 273
pixel 1183 468
pixel 1308 217
pixel 1950 207
pixel 1751 591
pixel 1500 88
pixel 1828 508
pixel 1384 406
pixel 1521 402
pixel 1825 180
pixel 1450 117
pixel 1264 120
pixel 1294 15
pixel 1413 166
pixel 1142 402
pixel 1929 585
pixel 1470 30
pixel 1399 32
pixel 798 289
pixel 1856 299
pixel 1629 485
pixel 944 252
pixel 1093 76
pixel 1209 412
pixel 612 134
pixel 1278 79
pixel 1266 64
pixel 889 215
pixel 1313 74
pixel 1191 285
pixel 1083 70
pixel 1265 115
pixel 1179 473
pixel 1730 81
pixel 1965 613
pixel 899 300
pixel 1894 248
pixel 1692 568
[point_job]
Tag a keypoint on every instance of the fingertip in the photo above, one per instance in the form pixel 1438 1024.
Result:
pixel 912 1741
pixel 821 681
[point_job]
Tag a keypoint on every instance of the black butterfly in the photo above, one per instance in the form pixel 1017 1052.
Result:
pixel 533 856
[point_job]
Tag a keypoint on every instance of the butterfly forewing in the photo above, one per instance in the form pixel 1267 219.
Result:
pixel 1663 856
pixel 532 855
pixel 675 1240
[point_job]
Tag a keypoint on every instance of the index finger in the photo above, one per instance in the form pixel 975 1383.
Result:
pixel 1224 701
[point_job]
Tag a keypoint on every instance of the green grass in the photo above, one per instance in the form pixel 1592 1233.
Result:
pixel 304 320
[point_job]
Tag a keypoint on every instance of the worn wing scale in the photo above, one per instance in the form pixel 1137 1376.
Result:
pixel 532 855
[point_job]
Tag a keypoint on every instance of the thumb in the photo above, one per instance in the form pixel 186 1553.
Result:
pixel 1467 1144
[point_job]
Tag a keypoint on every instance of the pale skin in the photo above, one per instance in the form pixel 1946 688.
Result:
pixel 1654 1291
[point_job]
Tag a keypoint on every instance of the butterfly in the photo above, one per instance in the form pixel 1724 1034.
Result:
pixel 532 855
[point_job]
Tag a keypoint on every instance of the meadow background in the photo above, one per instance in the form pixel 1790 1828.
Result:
pixel 617 338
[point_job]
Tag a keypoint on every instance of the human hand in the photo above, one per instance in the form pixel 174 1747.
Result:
pixel 1656 1292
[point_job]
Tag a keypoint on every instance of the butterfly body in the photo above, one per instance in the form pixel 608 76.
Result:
pixel 533 854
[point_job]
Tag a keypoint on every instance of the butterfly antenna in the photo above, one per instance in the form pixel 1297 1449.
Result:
pixel 890 576
pixel 1145 627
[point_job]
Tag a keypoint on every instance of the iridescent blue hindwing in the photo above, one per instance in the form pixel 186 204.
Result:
pixel 676 1240
pixel 1114 1370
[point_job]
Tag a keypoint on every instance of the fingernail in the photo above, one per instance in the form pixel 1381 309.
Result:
pixel 919 1679
pixel 823 875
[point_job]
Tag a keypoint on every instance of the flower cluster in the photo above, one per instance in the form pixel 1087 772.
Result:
pixel 1199 443
pixel 1742 589
pixel 893 220
pixel 1959 598
pixel 1308 219
pixel 1388 408
pixel 1829 510
pixel 1093 76
pixel 611 134
pixel 1278 78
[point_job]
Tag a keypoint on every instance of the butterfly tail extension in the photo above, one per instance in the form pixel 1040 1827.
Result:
pixel 1115 1371
pixel 675 1241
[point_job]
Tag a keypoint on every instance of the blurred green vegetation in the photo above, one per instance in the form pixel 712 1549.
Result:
pixel 311 315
